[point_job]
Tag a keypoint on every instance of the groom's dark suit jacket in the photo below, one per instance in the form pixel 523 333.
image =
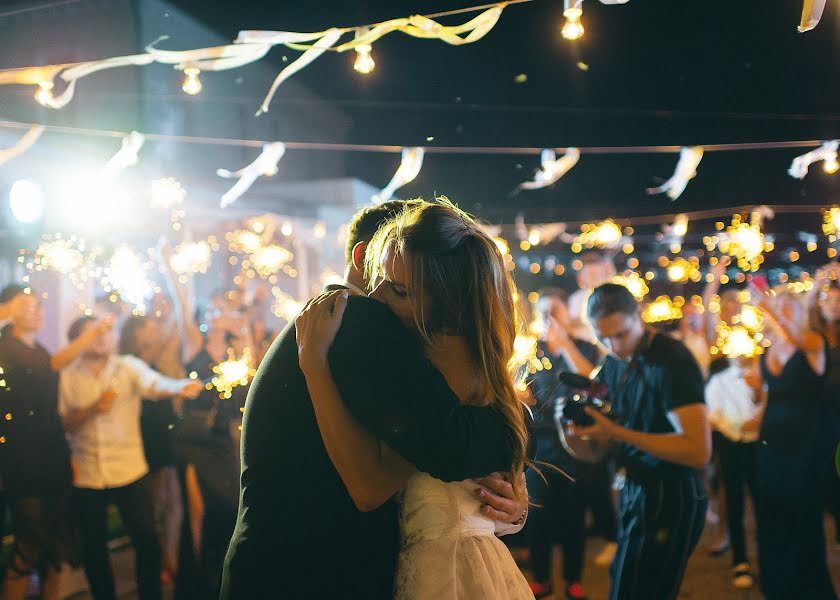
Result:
pixel 298 533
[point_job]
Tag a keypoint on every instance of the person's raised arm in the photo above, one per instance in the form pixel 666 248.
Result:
pixel 798 334
pixel 77 347
pixel 394 391
pixel 192 340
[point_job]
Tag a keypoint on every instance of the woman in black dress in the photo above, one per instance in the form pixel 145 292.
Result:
pixel 791 541
pixel 34 456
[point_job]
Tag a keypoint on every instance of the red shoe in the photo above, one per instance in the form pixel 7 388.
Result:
pixel 540 590
pixel 574 591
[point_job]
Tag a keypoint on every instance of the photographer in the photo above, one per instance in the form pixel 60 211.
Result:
pixel 661 438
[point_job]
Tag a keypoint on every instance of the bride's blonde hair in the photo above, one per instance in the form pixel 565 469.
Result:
pixel 471 294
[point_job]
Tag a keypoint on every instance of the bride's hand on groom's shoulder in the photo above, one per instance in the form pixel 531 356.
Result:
pixel 316 327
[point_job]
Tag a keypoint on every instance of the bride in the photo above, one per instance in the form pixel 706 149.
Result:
pixel 435 268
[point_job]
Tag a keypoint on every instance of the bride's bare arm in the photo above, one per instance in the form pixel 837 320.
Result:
pixel 370 470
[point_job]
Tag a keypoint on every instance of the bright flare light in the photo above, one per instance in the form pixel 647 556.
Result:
pixel 525 354
pixel 61 255
pixel 127 273
pixel 232 373
pixel 831 223
pixel 192 84
pixel 26 201
pixel 633 282
pixel 744 241
pixel 750 317
pixel 662 309
pixel 738 341
pixel 284 306
pixel 167 193
pixel 605 234
pixel 270 259
pixel 191 257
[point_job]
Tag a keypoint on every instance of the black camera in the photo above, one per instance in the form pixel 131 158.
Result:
pixel 585 392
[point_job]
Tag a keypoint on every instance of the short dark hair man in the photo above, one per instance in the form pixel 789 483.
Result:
pixel 661 438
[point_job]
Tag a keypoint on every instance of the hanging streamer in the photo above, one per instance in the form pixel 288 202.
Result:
pixel 217 58
pixel 264 165
pixel 812 11
pixel 416 26
pixel 126 156
pixel 552 168
pixel 412 161
pixel 22 145
pixel 827 152
pixel 690 158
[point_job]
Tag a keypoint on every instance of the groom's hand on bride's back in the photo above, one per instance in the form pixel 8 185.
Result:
pixel 499 498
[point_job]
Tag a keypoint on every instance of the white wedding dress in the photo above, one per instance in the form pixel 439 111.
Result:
pixel 449 549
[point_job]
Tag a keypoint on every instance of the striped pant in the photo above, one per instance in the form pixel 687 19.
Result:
pixel 660 523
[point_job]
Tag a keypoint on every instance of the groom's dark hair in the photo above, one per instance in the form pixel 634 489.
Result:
pixel 367 221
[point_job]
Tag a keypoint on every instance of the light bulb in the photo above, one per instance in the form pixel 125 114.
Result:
pixel 192 84
pixel 830 164
pixel 572 28
pixel 364 61
pixel 44 94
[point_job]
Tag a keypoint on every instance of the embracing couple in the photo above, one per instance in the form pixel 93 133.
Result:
pixel 368 418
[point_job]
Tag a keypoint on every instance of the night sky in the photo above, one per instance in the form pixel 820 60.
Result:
pixel 676 73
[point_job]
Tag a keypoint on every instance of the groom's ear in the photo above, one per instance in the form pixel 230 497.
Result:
pixel 359 256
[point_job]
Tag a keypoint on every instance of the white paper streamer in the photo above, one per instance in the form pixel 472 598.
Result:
pixel 412 161
pixel 216 58
pixel 812 11
pixel 799 167
pixel 552 168
pixel 686 169
pixel 318 48
pixel 264 165
pixel 125 157
pixel 22 145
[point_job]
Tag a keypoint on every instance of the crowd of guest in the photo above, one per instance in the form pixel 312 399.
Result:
pixel 123 415
pixel 775 421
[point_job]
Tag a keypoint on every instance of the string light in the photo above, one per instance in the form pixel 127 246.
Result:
pixel 44 95
pixel 364 60
pixel 192 84
pixel 572 28
pixel 830 164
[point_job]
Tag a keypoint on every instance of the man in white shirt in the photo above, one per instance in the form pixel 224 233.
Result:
pixel 100 402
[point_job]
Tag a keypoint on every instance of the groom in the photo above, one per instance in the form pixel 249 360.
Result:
pixel 298 533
